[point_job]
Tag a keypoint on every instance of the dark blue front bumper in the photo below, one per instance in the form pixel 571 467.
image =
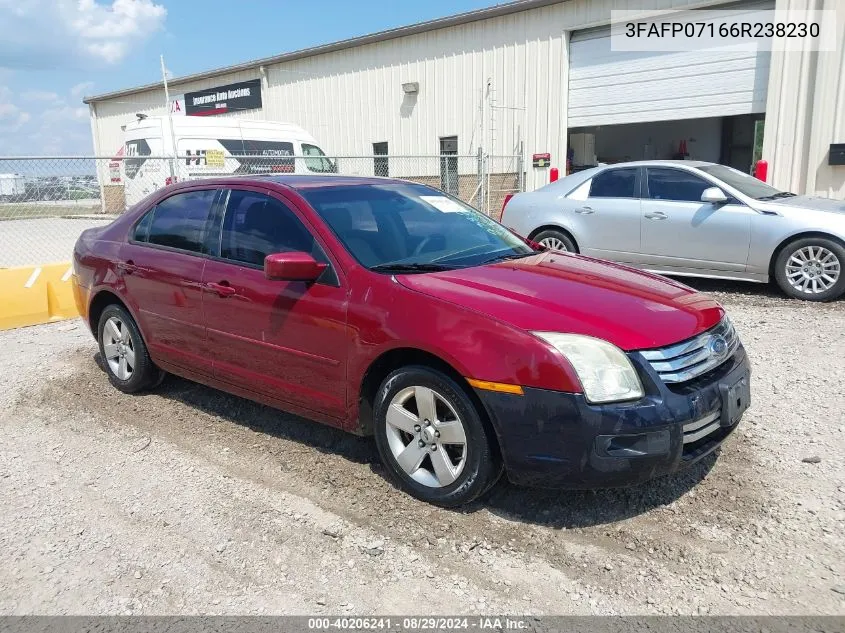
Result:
pixel 556 439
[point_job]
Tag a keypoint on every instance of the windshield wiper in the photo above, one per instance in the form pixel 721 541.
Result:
pixel 782 194
pixel 502 258
pixel 410 268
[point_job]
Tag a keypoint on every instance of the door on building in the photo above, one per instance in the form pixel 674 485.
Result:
pixel 380 164
pixel 689 104
pixel 449 164
pixel 742 139
pixel 680 232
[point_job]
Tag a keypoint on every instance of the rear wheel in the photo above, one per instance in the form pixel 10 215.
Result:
pixel 431 438
pixel 127 362
pixel 811 269
pixel 556 241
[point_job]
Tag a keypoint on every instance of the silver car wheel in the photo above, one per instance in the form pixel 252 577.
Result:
pixel 554 244
pixel 426 436
pixel 813 269
pixel 118 349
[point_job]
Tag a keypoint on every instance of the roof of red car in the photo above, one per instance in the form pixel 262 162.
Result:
pixel 296 181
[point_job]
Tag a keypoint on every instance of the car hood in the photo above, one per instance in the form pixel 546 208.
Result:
pixel 557 292
pixel 812 203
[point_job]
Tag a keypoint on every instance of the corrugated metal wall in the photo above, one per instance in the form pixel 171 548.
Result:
pixel 496 82
pixel 805 111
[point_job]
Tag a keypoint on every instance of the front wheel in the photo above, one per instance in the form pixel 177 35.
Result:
pixel 431 438
pixel 811 269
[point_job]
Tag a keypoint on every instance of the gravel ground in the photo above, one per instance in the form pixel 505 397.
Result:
pixel 191 501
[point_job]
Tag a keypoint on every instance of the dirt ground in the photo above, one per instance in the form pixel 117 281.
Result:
pixel 190 501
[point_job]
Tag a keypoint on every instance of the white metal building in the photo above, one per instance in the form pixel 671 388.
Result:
pixel 535 77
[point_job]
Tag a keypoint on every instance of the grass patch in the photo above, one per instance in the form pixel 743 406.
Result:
pixel 26 211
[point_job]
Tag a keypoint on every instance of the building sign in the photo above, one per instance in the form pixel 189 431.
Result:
pixel 245 95
pixel 177 105
pixel 542 160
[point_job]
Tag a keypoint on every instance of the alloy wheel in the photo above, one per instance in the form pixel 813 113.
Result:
pixel 118 348
pixel 426 436
pixel 554 244
pixel 813 269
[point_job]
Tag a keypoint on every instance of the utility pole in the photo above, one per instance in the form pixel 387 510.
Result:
pixel 168 105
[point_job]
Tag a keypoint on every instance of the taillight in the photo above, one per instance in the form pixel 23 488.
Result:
pixel 507 199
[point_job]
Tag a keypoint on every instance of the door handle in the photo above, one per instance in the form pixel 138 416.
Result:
pixel 656 215
pixel 223 289
pixel 126 268
pixel 585 210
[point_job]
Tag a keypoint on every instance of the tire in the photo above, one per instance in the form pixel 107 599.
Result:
pixel 812 269
pixel 556 241
pixel 475 467
pixel 125 357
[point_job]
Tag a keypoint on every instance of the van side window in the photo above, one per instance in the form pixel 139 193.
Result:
pixel 179 221
pixel 315 159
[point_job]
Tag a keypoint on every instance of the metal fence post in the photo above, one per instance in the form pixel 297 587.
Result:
pixel 482 197
pixel 521 166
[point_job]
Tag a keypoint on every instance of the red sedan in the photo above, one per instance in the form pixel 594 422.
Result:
pixel 387 308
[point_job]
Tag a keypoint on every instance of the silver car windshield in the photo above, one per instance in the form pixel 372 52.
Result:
pixel 744 183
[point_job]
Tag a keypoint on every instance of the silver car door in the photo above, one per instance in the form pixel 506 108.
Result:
pixel 679 231
pixel 608 221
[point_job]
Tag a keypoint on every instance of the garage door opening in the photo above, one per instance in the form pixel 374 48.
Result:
pixel 731 140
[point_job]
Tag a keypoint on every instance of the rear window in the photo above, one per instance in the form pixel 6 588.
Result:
pixel 178 221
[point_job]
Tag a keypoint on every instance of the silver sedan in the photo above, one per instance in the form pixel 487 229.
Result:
pixel 691 218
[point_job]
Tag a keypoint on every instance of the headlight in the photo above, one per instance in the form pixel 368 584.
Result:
pixel 605 372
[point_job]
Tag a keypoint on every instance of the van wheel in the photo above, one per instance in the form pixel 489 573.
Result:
pixel 812 269
pixel 127 362
pixel 431 438
pixel 556 241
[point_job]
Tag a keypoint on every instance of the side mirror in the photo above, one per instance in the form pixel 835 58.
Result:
pixel 293 266
pixel 713 195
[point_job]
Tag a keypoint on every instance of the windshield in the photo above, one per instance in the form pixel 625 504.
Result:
pixel 403 227
pixel 744 183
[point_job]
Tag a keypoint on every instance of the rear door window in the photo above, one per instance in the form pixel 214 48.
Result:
pixel 675 184
pixel 178 221
pixel 615 183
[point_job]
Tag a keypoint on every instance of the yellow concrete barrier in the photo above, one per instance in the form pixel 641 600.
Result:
pixel 35 294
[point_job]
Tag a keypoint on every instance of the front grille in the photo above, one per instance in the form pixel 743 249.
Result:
pixel 684 361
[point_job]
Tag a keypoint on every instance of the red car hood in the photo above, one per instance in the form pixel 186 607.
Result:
pixel 556 292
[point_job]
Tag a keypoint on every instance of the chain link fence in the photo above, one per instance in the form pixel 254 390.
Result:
pixel 46 202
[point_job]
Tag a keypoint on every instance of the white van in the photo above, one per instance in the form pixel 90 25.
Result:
pixel 213 147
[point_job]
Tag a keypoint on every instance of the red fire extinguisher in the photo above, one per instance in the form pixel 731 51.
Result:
pixel 761 170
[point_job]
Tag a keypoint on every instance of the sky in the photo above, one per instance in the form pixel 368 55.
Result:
pixel 55 52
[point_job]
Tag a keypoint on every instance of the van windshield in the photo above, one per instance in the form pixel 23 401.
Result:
pixel 315 159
